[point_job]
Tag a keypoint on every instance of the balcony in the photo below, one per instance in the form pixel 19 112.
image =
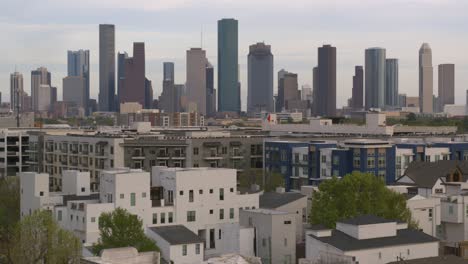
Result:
pixel 452 210
pixel 213 156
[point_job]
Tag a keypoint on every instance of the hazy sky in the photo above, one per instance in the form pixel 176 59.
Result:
pixel 39 33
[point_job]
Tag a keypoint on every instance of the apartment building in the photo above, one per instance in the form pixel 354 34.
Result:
pixel 204 200
pixel 195 149
pixel 55 152
pixel 156 118
pixel 14 153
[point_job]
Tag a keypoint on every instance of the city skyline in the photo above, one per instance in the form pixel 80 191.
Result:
pixel 292 50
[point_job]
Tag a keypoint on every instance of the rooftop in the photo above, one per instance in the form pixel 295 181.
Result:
pixel 345 242
pixel 177 234
pixel 273 200
pixel 266 211
pixel 366 220
pixel 450 259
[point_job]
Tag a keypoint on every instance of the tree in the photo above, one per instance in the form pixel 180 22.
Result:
pixel 39 239
pixel 357 194
pixel 122 229
pixel 411 117
pixel 9 214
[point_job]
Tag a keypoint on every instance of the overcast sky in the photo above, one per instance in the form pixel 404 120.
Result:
pixel 39 33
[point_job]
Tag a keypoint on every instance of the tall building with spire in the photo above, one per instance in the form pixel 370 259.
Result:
pixel 107 68
pixel 425 79
pixel 228 66
pixel 260 78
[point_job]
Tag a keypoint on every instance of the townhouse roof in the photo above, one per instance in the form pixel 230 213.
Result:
pixel 450 259
pixel 273 200
pixel 426 174
pixel 345 242
pixel 73 197
pixel 366 220
pixel 177 234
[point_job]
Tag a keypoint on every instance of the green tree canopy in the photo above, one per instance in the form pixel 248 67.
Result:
pixel 39 239
pixel 9 214
pixel 122 229
pixel 357 194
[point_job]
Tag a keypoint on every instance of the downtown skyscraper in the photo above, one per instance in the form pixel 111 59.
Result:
pixel 426 79
pixel 326 85
pixel 39 77
pixel 357 100
pixel 107 68
pixel 446 87
pixel 391 83
pixel 375 78
pixel 133 84
pixel 228 66
pixel 78 66
pixel 196 80
pixel 260 78
pixel 16 92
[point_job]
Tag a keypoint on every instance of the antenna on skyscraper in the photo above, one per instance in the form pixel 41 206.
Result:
pixel 201 37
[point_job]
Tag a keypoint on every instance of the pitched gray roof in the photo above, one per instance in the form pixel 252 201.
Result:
pixel 177 234
pixel 366 220
pixel 273 200
pixel 345 242
pixel 450 259
pixel 426 174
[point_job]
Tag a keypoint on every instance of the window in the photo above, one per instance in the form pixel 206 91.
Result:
pixel 59 215
pixel 169 217
pixel 357 162
pixel 264 242
pixel 224 150
pixel 288 222
pixel 163 218
pixel 143 195
pixel 155 218
pixel 211 211
pixel 231 213
pixel 324 159
pixel 200 192
pixel 83 189
pixel 221 194
pixel 428 158
pixel 93 219
pixel 231 190
pixel 285 242
pixel 184 250
pixel 408 252
pixel 371 162
pixel 195 151
pixel 170 197
pixel 437 157
pixel 336 160
pixel 430 212
pixel 132 199
pixel 450 209
pixel 191 196
pixel 380 255
pixel 122 196
pixel 181 193
pixel 211 190
pixel 197 249
pixel 221 214
pixel 191 216
pixel 466 210
pixel 41 193
pixel 219 234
